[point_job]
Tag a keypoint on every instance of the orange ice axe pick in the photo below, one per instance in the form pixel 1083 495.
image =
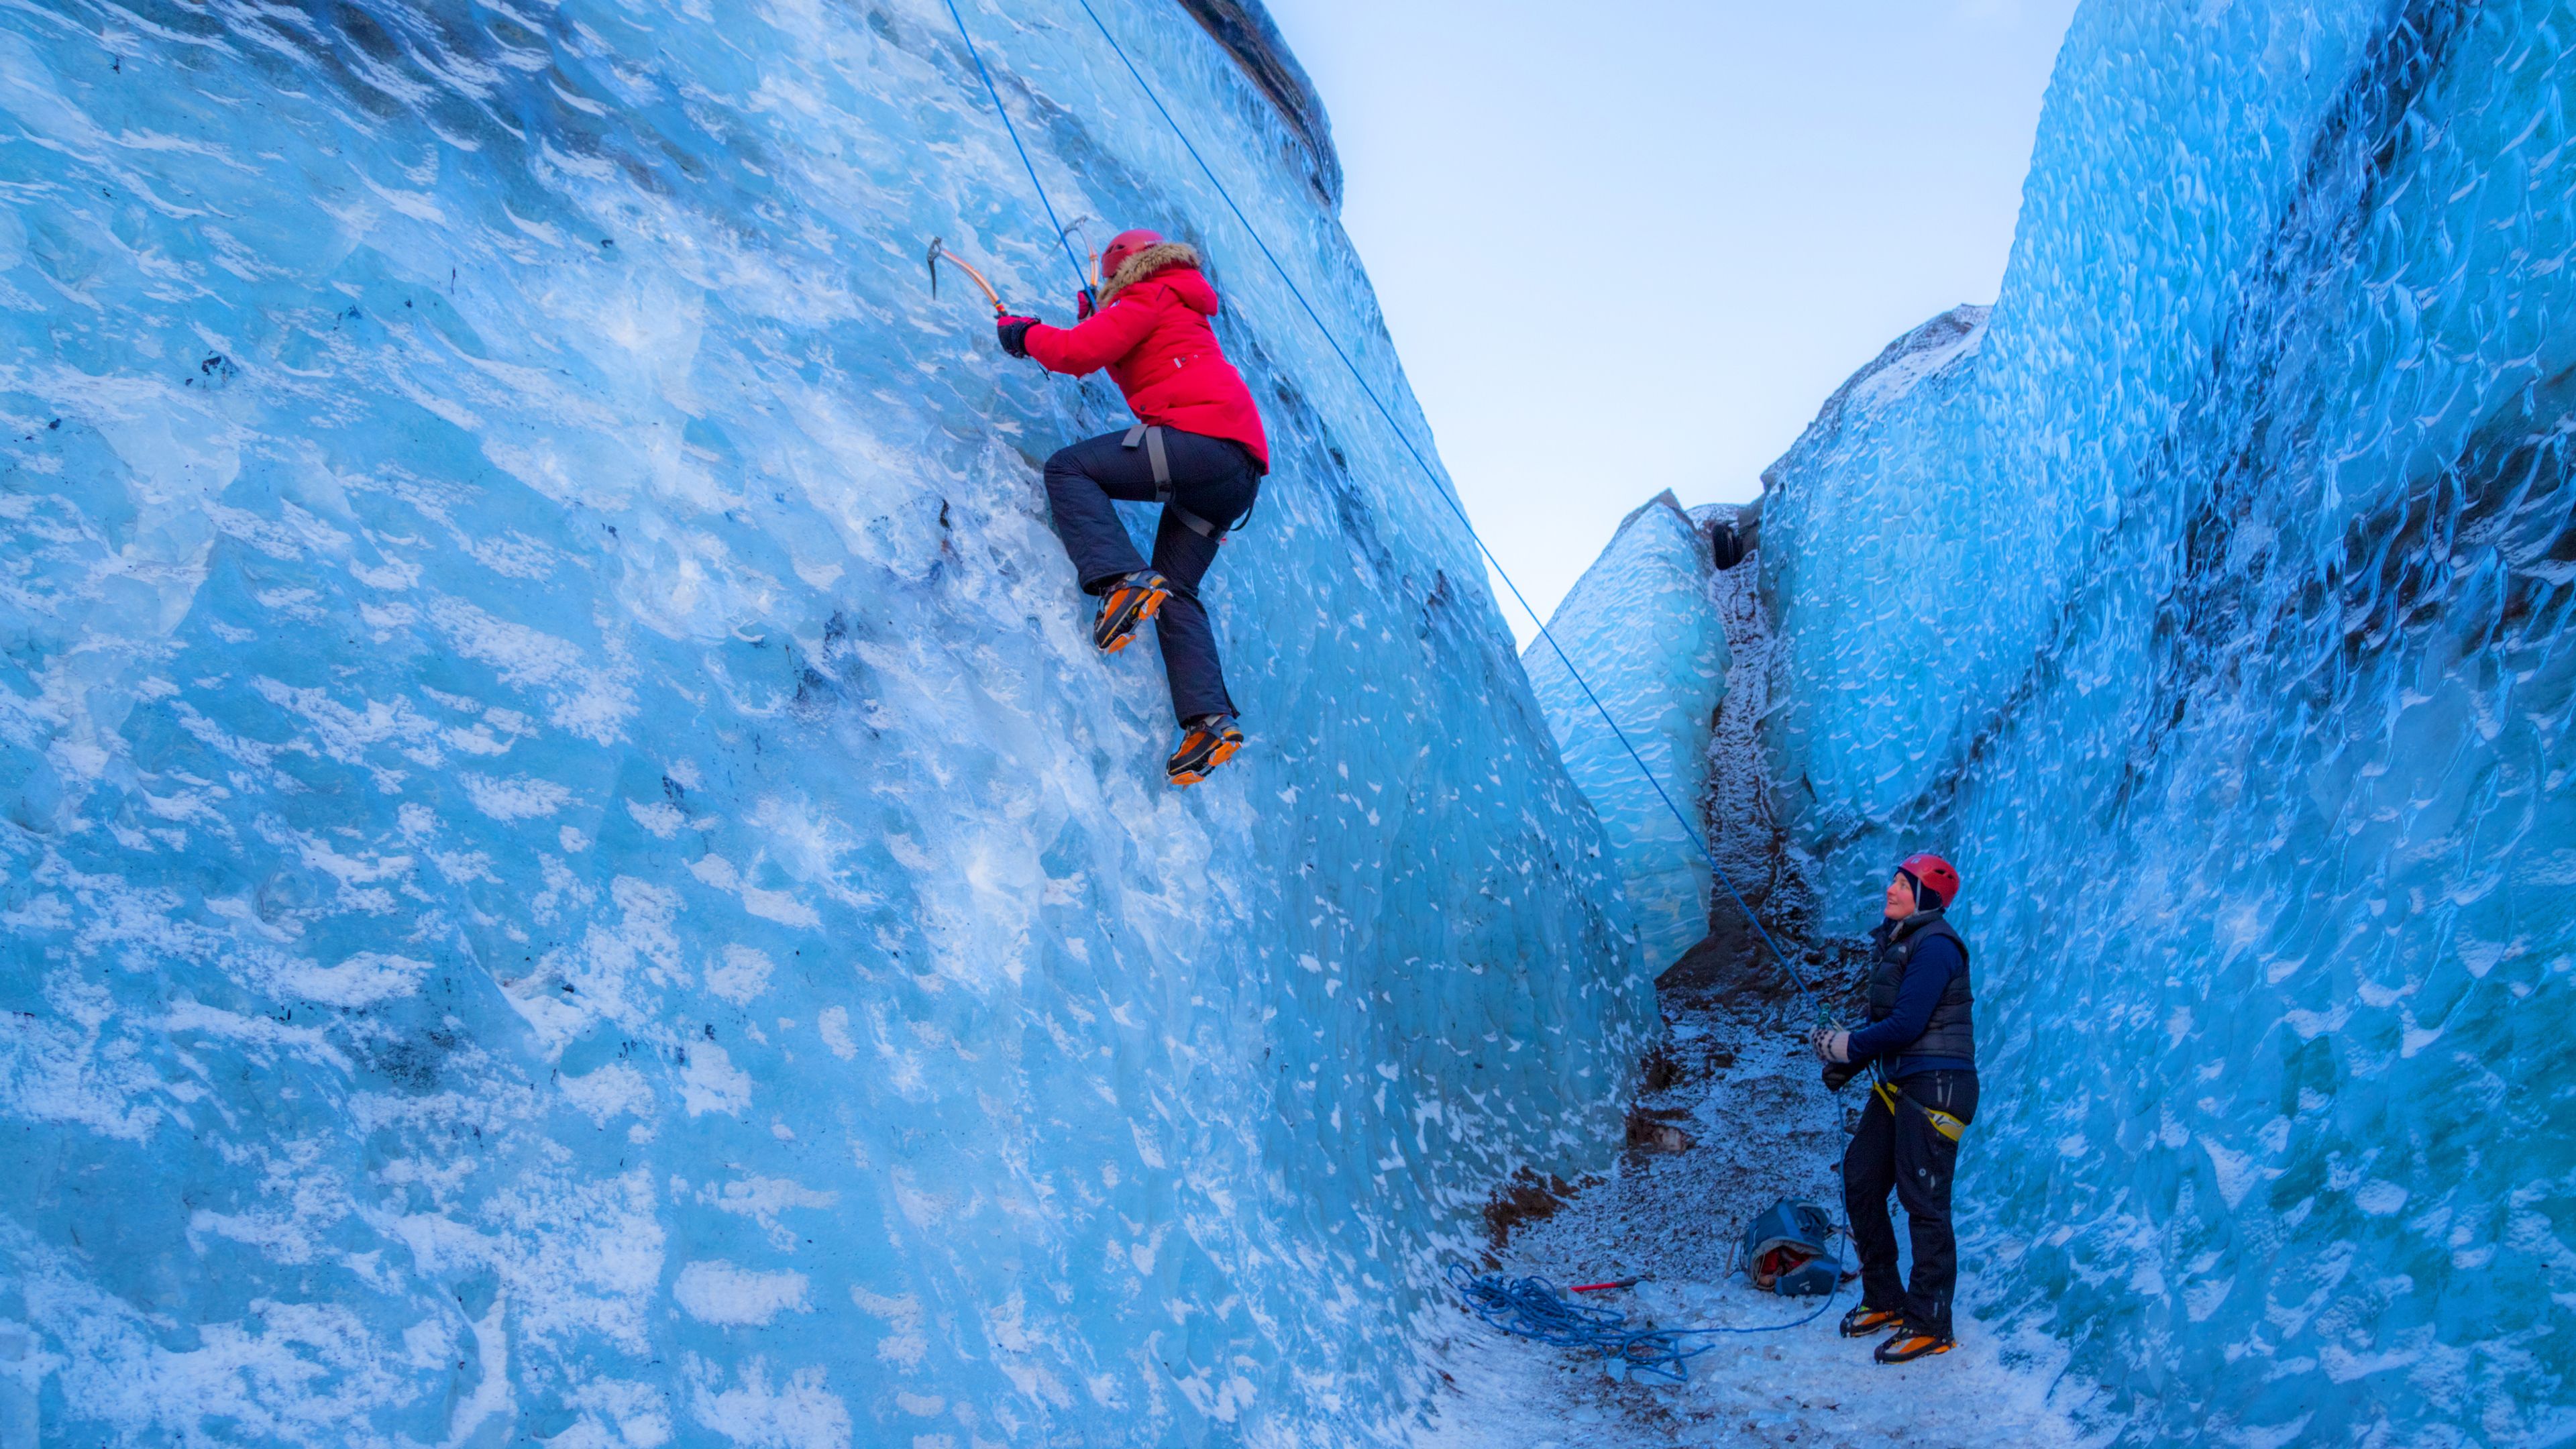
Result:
pixel 937 252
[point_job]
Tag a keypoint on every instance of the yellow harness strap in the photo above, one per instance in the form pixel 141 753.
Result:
pixel 1942 1122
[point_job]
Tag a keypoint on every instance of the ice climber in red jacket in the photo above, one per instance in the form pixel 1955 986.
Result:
pixel 1197 448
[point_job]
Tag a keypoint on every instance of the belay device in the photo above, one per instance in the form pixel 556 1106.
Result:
pixel 1785 1250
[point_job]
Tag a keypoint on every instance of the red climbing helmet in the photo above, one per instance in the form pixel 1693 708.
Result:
pixel 1124 245
pixel 1930 872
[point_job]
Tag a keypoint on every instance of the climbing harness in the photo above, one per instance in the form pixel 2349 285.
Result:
pixel 1437 485
pixel 1529 1307
pixel 1152 437
pixel 1401 436
pixel 1942 1122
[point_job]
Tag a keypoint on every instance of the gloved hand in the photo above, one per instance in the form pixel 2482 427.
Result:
pixel 1838 1077
pixel 1014 332
pixel 1085 302
pixel 1832 1047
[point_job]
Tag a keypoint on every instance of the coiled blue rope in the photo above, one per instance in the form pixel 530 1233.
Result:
pixel 1534 1308
pixel 1383 411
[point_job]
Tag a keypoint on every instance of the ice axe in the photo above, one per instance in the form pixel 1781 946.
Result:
pixel 1074 228
pixel 938 251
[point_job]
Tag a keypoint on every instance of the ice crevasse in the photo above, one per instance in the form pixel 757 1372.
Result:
pixel 570 869
pixel 2240 543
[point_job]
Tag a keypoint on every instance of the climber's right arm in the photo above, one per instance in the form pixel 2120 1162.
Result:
pixel 1108 335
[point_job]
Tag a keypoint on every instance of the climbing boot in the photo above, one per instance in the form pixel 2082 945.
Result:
pixel 1206 742
pixel 1909 1343
pixel 1132 600
pixel 1863 1321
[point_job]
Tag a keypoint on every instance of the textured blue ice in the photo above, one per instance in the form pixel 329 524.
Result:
pixel 1651 583
pixel 2232 555
pixel 571 871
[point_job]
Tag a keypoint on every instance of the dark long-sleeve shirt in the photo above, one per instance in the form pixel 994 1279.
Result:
pixel 1927 974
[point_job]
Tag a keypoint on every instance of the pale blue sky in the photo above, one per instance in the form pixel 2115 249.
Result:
pixel 1632 246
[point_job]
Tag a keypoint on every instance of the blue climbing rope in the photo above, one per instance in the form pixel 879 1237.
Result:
pixel 1446 496
pixel 977 56
pixel 1437 485
pixel 1533 1308
pixel 1527 1307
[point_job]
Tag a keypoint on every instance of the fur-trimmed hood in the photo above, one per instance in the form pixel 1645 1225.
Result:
pixel 1152 331
pixel 1143 264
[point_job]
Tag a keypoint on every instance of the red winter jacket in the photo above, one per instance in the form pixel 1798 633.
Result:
pixel 1152 333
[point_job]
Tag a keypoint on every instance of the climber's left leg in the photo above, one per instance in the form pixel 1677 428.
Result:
pixel 1213 485
pixel 1080 482
pixel 1927 1159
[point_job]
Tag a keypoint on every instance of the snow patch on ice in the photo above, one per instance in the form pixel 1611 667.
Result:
pixel 716 1291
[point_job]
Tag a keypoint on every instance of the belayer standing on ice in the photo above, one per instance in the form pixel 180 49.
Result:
pixel 1925 1045
pixel 1197 448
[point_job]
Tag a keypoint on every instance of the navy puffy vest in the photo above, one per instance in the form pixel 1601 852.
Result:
pixel 1951 1031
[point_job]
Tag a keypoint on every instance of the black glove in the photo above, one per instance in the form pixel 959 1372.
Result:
pixel 1014 332
pixel 1839 1074
pixel 1084 304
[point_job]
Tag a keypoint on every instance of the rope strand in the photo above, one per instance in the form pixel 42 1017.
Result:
pixel 1532 1308
pixel 977 56
pixel 1528 1307
pixel 1449 498
pixel 1438 485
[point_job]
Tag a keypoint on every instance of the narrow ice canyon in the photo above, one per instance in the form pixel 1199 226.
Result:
pixel 570 874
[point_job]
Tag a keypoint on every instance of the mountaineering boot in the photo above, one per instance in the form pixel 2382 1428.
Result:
pixel 1131 601
pixel 1863 1321
pixel 1206 742
pixel 1908 1343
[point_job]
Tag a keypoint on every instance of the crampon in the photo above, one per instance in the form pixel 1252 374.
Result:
pixel 1206 743
pixel 1132 600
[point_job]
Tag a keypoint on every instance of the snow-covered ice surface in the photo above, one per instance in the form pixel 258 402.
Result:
pixel 1739 1083
pixel 1650 583
pixel 570 871
pixel 2246 533
pixel 1765 1129
pixel 1745 831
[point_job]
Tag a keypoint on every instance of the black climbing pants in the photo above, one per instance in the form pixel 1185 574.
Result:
pixel 1903 1151
pixel 1211 478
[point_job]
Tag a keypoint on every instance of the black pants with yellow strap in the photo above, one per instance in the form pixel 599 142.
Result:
pixel 1904 1147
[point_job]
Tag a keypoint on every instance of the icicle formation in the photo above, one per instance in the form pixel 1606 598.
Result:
pixel 2239 541
pixel 571 870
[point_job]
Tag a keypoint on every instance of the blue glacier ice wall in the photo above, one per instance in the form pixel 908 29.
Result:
pixel 1651 583
pixel 571 871
pixel 2239 542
